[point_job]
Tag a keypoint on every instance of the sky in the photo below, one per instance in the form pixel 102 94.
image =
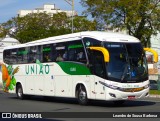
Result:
pixel 10 8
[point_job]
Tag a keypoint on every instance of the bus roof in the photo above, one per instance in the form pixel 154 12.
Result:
pixel 99 35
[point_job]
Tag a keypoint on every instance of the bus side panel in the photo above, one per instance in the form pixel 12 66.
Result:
pixel 70 87
pixel 99 88
pixel 61 82
pixel 49 85
pixel 30 84
pixel 39 84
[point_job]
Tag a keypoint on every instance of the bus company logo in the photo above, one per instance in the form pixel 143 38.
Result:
pixel 34 69
pixel 39 68
pixel 73 69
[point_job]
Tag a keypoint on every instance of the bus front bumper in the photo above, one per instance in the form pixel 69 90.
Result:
pixel 112 94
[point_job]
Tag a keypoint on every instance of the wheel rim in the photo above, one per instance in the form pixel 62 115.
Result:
pixel 19 92
pixel 82 96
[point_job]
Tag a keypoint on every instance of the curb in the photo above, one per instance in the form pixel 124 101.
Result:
pixel 1 86
pixel 154 96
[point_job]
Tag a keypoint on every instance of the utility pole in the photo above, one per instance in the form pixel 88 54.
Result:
pixel 71 2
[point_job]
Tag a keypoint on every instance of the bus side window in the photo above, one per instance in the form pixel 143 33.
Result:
pixel 72 55
pixel 13 56
pixel 60 51
pixel 32 54
pixel 47 53
pixel 7 56
pixel 22 55
pixel 76 51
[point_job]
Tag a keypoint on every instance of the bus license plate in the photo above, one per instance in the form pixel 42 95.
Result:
pixel 131 97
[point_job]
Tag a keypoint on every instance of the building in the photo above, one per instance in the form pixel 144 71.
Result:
pixel 154 68
pixel 47 8
pixel 7 41
pixel 155 43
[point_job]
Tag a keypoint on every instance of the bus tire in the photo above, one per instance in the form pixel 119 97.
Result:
pixel 82 96
pixel 19 92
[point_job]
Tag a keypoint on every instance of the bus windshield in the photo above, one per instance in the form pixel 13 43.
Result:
pixel 127 62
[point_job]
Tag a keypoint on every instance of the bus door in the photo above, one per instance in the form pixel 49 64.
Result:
pixel 97 67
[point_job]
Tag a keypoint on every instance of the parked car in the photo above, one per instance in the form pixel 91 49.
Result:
pixel 153 85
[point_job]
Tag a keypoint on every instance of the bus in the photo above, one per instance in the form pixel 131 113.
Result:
pixel 90 65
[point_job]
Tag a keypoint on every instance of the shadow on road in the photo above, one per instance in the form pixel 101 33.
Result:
pixel 128 103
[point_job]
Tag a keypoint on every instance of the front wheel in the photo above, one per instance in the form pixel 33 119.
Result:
pixel 82 96
pixel 19 92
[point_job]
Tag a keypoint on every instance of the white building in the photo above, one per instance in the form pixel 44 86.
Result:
pixel 47 8
pixel 155 44
pixel 7 41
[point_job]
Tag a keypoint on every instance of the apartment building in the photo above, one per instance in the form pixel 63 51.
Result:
pixel 47 8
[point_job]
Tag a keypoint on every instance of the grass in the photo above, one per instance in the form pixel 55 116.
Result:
pixel 154 92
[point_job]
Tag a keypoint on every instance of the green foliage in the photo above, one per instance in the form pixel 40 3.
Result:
pixel 41 25
pixel 139 17
pixel 154 92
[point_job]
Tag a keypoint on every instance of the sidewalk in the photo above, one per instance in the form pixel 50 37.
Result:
pixel 154 96
pixel 0 86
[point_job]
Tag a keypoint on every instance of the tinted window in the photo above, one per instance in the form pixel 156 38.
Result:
pixel 35 53
pixel 76 52
pixel 127 62
pixel 10 56
pixel 70 51
pixel 47 53
pixel 32 54
pixel 64 51
pixel 60 49
pixel 22 55
pixel 97 64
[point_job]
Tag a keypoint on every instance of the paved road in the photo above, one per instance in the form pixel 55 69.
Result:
pixel 9 103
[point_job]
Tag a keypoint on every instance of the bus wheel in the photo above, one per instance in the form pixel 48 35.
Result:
pixel 19 92
pixel 119 102
pixel 82 96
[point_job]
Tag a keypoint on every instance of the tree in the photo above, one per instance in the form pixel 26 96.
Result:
pixel 82 24
pixel 139 17
pixel 3 32
pixel 41 25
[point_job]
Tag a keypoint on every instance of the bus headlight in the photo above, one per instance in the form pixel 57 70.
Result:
pixel 124 89
pixel 147 86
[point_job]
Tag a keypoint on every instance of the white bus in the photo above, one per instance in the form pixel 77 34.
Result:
pixel 85 65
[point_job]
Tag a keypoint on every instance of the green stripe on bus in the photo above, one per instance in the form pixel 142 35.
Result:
pixel 74 68
pixel 75 46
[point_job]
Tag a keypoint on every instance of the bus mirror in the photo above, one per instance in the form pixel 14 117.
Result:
pixel 103 50
pixel 155 54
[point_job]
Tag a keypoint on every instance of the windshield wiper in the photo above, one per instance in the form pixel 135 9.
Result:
pixel 125 72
